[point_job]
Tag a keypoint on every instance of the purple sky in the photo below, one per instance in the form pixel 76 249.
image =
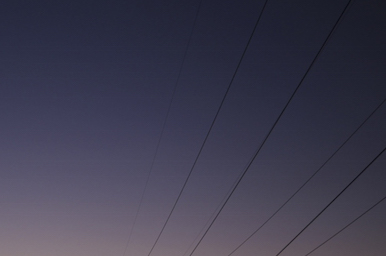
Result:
pixel 102 118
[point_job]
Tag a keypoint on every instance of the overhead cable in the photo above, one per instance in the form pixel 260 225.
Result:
pixel 163 126
pixel 310 178
pixel 352 222
pixel 333 200
pixel 210 129
pixel 276 121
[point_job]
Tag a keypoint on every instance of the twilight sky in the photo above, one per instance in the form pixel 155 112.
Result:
pixel 105 106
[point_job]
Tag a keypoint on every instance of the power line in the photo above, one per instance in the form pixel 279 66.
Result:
pixel 333 200
pixel 163 125
pixel 209 220
pixel 210 129
pixel 276 121
pixel 311 177
pixel 352 222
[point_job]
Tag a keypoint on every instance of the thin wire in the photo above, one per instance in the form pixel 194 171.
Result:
pixel 352 222
pixel 210 218
pixel 276 121
pixel 312 176
pixel 210 129
pixel 163 127
pixel 333 200
pixel 186 50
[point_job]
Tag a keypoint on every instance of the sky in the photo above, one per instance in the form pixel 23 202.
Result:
pixel 138 128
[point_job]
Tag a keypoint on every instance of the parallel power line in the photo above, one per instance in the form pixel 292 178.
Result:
pixel 332 201
pixel 276 121
pixel 163 126
pixel 209 219
pixel 210 128
pixel 310 178
pixel 349 224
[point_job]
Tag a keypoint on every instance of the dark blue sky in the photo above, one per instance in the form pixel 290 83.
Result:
pixel 106 104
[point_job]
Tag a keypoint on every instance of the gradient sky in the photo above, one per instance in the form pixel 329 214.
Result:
pixel 103 113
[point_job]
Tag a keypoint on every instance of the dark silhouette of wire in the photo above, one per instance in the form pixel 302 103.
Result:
pixel 211 217
pixel 352 222
pixel 312 176
pixel 163 126
pixel 276 121
pixel 210 128
pixel 333 200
